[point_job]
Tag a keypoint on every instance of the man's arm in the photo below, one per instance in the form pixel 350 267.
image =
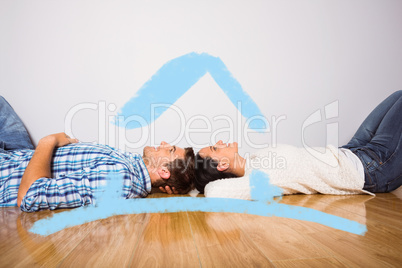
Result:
pixel 39 165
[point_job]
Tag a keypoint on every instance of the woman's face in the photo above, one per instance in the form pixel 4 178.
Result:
pixel 221 152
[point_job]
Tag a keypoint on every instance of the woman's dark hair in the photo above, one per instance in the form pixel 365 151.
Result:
pixel 206 171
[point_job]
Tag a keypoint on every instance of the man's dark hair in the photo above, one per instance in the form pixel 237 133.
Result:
pixel 182 172
pixel 206 171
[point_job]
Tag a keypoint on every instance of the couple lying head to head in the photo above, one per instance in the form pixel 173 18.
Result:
pixel 180 170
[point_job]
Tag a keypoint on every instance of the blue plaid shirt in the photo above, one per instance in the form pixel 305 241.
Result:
pixel 79 171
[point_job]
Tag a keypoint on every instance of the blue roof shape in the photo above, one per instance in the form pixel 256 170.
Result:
pixel 174 79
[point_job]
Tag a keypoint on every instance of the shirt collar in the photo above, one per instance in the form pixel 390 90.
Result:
pixel 143 172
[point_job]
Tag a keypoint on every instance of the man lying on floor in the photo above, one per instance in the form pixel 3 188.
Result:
pixel 370 163
pixel 62 173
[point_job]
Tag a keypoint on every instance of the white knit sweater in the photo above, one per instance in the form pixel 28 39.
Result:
pixel 295 170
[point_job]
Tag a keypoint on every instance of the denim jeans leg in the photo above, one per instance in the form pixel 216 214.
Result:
pixel 387 135
pixel 387 147
pixel 368 128
pixel 2 145
pixel 370 164
pixel 378 144
pixel 13 134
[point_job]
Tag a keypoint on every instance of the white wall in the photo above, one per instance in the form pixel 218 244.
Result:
pixel 292 57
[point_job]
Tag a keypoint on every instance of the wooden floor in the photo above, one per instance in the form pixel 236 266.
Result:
pixel 194 239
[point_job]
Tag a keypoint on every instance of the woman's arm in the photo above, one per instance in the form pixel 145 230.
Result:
pixel 39 165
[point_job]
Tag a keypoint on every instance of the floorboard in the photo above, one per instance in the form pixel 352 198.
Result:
pixel 205 239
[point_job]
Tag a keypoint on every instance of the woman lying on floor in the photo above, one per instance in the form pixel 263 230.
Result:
pixel 370 163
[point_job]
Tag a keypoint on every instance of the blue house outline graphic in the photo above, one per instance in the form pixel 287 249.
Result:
pixel 175 78
pixel 171 81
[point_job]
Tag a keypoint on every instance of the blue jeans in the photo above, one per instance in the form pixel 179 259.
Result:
pixel 378 144
pixel 13 134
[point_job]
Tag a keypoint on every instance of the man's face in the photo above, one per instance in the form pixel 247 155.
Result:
pixel 221 152
pixel 161 155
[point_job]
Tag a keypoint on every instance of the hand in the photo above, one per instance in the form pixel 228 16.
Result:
pixel 168 190
pixel 58 140
pixel 40 164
